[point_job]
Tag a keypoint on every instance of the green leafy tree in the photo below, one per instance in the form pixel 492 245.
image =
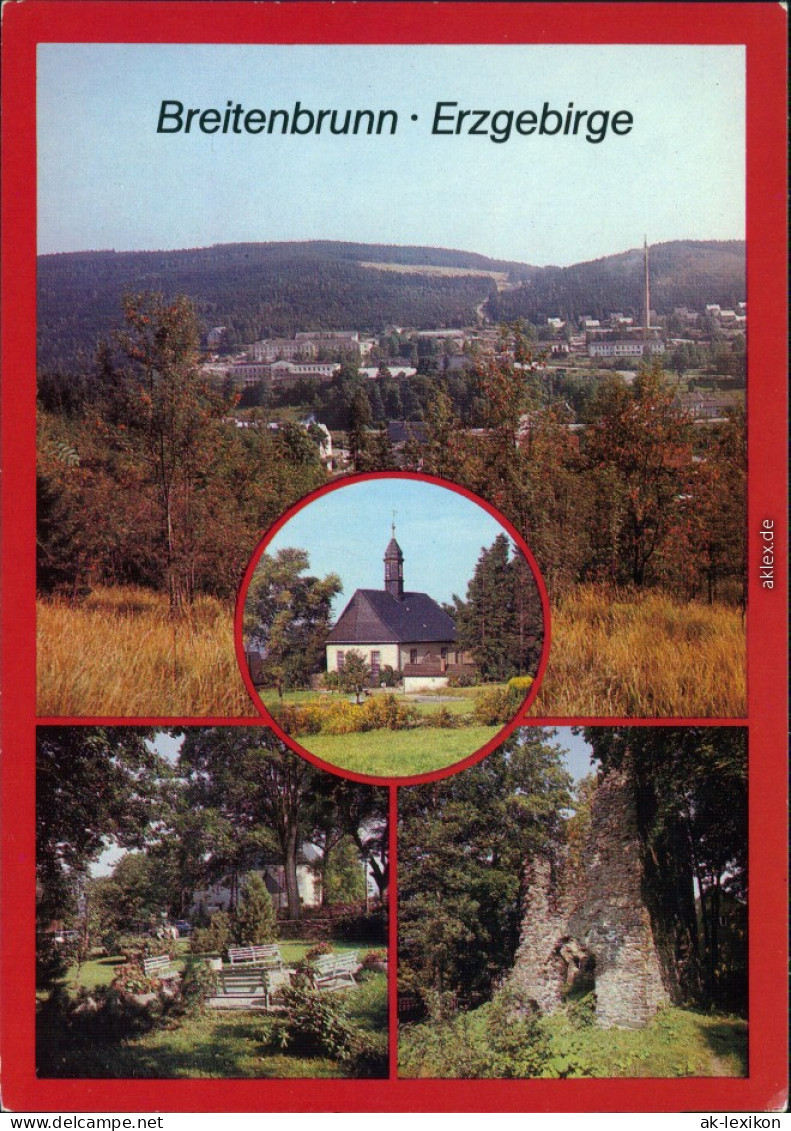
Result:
pixel 131 893
pixel 94 786
pixel 462 846
pixel 359 813
pixel 355 675
pixel 255 921
pixel 288 614
pixel 639 449
pixel 360 420
pixel 344 879
pixel 254 793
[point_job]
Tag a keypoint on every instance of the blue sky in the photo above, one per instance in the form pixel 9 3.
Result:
pixel 108 180
pixel 346 531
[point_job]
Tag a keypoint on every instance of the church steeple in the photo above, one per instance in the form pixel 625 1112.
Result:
pixel 394 569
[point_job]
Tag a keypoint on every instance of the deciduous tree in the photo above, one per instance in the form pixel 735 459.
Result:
pixel 287 614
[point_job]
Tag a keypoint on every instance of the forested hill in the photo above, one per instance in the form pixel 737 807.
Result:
pixel 683 273
pixel 274 289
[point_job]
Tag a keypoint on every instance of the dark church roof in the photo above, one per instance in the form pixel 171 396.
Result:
pixel 374 616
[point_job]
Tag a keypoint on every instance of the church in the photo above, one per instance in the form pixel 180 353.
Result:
pixel 408 632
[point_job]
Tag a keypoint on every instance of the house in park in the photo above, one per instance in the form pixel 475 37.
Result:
pixel 392 627
pixel 223 893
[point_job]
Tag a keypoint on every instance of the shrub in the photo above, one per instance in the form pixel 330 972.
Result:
pixel 137 947
pixel 316 1025
pixel 110 1013
pixel 343 717
pixel 463 679
pixel 254 922
pixel 369 1059
pixel 519 1046
pixel 331 681
pixel 519 686
pixel 442 718
pixel 354 926
pixel 494 707
pixel 302 974
pixel 317 950
pixel 213 939
pixel 131 979
pixel 52 960
pixel 374 959
pixel 385 712
pixel 305 718
pixel 387 677
pixel 198 983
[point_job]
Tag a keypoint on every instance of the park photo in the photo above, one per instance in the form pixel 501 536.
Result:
pixel 392 626
pixel 575 905
pixel 208 904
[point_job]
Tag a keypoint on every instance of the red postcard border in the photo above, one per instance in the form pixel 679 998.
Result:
pixel 761 27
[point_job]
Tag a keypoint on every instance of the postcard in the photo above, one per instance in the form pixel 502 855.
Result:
pixel 394 560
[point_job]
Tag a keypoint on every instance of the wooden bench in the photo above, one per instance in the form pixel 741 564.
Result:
pixel 159 966
pixel 267 956
pixel 331 971
pixel 246 987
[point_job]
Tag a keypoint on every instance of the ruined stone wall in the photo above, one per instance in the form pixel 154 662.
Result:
pixel 539 972
pixel 603 919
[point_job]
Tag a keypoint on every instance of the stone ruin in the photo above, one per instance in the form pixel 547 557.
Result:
pixel 596 924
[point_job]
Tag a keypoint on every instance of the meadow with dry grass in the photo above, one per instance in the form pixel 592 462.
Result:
pixel 613 655
pixel 633 655
pixel 121 653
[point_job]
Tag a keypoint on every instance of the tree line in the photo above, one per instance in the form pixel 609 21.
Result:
pixel 637 496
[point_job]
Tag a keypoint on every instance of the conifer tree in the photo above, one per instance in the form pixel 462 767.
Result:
pixel 255 921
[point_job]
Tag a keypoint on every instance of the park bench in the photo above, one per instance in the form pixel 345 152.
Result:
pixel 159 966
pixel 331 971
pixel 267 956
pixel 243 987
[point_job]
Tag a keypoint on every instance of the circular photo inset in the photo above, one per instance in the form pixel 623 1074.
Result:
pixel 392 626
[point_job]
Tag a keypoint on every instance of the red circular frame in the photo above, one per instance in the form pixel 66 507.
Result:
pixel 394 780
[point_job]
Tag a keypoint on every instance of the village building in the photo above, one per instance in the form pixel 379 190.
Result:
pixel 392 627
pixel 223 893
pixel 626 347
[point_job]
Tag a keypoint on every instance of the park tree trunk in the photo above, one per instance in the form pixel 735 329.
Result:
pixel 292 886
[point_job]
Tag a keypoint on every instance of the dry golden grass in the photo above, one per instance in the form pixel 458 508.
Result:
pixel 643 655
pixel 122 654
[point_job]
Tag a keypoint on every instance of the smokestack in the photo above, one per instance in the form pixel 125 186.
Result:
pixel 647 317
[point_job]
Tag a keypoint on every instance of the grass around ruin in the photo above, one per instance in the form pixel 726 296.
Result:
pixel 677 1043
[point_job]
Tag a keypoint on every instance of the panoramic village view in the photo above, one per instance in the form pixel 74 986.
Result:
pixel 238 924
pixel 613 440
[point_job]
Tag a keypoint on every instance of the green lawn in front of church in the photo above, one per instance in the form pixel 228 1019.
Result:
pixel 398 753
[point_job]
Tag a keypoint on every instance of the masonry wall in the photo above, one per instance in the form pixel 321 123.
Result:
pixel 601 923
